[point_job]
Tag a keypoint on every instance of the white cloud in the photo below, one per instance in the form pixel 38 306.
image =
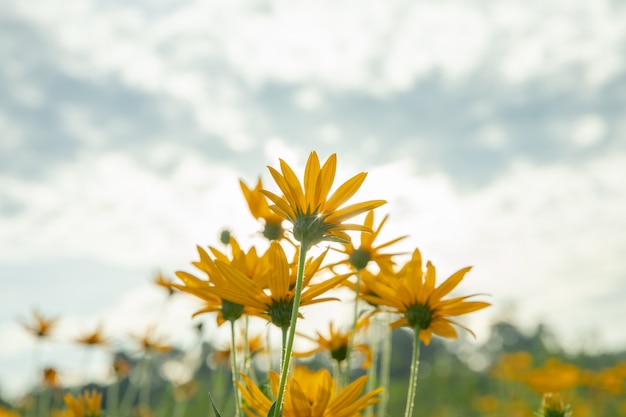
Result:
pixel 543 236
pixel 107 206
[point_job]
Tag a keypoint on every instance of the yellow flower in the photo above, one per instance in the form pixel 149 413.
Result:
pixel 552 406
pixel 316 216
pixel 277 303
pixel 513 366
pixel 412 293
pixel 120 367
pixel 360 257
pixel 86 405
pixel 337 343
pixel 51 377
pixel 273 223
pixel 42 326
pixel 309 394
pixel 248 263
pixel 553 376
pixel 94 338
pixel 164 282
pixel 5 412
pixel 256 344
pixel 149 343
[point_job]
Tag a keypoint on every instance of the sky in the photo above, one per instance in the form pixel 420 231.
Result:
pixel 494 129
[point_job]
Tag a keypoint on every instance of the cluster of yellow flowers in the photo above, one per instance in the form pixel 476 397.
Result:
pixel 290 269
pixel 274 286
pixel 588 391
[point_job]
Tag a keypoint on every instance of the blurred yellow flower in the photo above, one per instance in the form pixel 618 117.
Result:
pixel 164 282
pixel 120 367
pixel 553 376
pixel 256 344
pixel 309 394
pixel 41 327
pixel 5 412
pixel 93 338
pixel 412 293
pixel 314 215
pixel 359 258
pixel 86 405
pixel 51 377
pixel 512 366
pixel 336 344
pixel 260 209
pixel 150 343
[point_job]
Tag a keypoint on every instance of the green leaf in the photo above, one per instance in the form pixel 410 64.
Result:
pixel 217 413
pixel 272 410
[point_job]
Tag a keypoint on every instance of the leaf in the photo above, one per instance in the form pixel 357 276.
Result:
pixel 217 413
pixel 272 410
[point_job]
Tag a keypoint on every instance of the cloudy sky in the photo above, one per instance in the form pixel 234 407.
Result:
pixel 494 129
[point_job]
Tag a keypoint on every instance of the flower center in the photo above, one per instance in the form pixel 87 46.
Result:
pixel 280 313
pixel 419 316
pixel 310 229
pixel 360 258
pixel 340 353
pixel 273 231
pixel 231 311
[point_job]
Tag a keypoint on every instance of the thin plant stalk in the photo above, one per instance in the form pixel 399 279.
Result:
pixel 385 366
pixel 372 377
pixel 112 398
pixel 133 386
pixel 292 329
pixel 410 397
pixel 355 316
pixel 146 379
pixel 234 371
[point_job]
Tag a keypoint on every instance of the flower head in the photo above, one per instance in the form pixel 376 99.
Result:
pixel 51 377
pixel 164 282
pixel 359 257
pixel 257 203
pixel 277 302
pixel 314 214
pixel 552 406
pixel 336 343
pixel 248 263
pixel 86 405
pixel 413 293
pixel 309 394
pixel 150 343
pixel 42 326
pixel 93 338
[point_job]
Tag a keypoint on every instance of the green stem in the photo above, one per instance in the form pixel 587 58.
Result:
pixel 372 377
pixel 235 372
pixel 112 404
pixel 146 384
pixel 410 398
pixel 292 329
pixel 126 405
pixel 385 366
pixel 355 319
pixel 246 348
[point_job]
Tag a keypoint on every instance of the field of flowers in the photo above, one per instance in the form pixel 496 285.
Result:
pixel 398 356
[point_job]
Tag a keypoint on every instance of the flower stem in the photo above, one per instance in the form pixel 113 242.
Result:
pixel 385 366
pixel 292 329
pixel 355 319
pixel 235 373
pixel 410 397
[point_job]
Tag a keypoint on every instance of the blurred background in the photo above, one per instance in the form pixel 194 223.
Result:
pixel 496 131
